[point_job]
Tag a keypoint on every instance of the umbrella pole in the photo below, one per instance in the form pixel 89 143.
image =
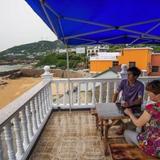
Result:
pixel 68 79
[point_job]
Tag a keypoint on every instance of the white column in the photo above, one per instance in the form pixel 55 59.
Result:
pixel 100 92
pixel 71 90
pixel 1 149
pixel 47 75
pixel 29 122
pixel 24 129
pixel 86 93
pixel 64 93
pixel 57 93
pixel 50 95
pixel 108 92
pixel 40 107
pixel 93 93
pixel 42 103
pixel 19 140
pixel 9 141
pixel 34 120
pixel 79 92
pixel 47 98
pixel 115 86
pixel 37 109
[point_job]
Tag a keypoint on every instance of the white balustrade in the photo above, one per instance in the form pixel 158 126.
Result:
pixel 30 111
pixel 24 118
pixel 90 88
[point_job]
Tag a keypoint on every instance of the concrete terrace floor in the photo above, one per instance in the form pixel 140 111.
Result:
pixel 71 136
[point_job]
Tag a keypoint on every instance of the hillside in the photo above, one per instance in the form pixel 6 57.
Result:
pixel 38 47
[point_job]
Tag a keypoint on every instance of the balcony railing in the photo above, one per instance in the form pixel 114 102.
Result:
pixel 22 121
pixel 86 92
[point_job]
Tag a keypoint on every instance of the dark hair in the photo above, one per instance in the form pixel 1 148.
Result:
pixel 135 71
pixel 154 87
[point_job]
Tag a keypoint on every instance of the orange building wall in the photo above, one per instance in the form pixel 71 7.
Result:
pixel 155 62
pixel 98 66
pixel 142 57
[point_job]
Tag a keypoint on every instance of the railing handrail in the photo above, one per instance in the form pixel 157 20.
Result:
pixel 102 79
pixel 12 108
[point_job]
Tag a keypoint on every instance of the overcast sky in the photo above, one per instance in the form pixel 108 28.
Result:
pixel 19 25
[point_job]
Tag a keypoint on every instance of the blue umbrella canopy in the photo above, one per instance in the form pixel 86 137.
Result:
pixel 77 22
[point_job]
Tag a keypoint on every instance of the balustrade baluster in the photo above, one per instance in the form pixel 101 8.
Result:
pixel 19 140
pixel 37 109
pixel 115 86
pixel 9 141
pixel 108 92
pixel 64 94
pixel 100 92
pixel 57 93
pixel 25 132
pixel 86 92
pixel 40 107
pixel 45 99
pixel 93 93
pixel 71 90
pixel 48 97
pixel 79 92
pixel 42 104
pixel 51 97
pixel 29 121
pixel 34 120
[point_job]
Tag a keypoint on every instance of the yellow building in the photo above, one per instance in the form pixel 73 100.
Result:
pixel 139 57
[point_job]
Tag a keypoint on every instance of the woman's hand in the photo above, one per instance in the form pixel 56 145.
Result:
pixel 128 111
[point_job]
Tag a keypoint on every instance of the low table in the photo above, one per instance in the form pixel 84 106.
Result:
pixel 106 112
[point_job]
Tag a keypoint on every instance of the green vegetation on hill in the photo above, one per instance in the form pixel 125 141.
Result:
pixel 76 61
pixel 41 46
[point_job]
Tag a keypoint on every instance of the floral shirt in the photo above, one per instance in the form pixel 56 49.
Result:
pixel 149 140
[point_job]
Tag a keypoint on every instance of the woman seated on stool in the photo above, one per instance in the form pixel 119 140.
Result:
pixel 149 139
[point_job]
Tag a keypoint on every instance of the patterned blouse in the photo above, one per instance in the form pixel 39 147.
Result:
pixel 149 140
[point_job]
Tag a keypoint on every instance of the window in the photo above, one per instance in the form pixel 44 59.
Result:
pixel 115 63
pixel 132 64
pixel 155 68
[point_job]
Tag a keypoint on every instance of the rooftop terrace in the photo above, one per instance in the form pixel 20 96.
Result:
pixel 67 135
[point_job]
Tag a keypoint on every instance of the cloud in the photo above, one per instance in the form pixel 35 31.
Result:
pixel 19 25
